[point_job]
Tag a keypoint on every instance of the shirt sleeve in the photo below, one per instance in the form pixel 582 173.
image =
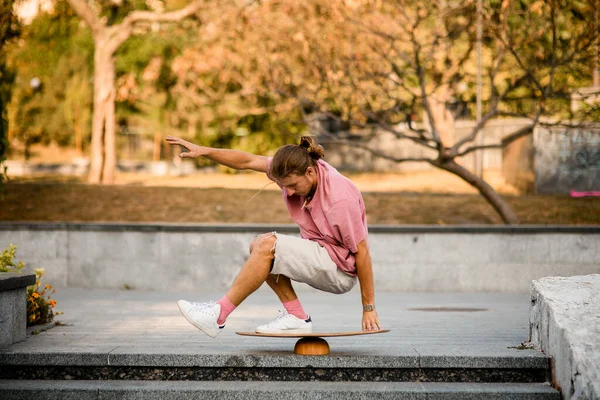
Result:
pixel 347 220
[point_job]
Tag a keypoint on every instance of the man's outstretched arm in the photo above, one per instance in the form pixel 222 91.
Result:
pixel 364 270
pixel 235 159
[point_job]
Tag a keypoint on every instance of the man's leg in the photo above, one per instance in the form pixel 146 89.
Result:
pixel 255 271
pixel 282 286
pixel 210 317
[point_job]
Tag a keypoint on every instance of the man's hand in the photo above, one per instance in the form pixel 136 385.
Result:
pixel 235 159
pixel 193 150
pixel 370 321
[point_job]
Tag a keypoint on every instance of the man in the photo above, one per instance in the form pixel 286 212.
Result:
pixel 331 254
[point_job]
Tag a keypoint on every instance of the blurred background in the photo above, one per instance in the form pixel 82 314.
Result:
pixel 442 112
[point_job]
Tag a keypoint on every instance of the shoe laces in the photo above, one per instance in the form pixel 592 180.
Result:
pixel 282 315
pixel 202 306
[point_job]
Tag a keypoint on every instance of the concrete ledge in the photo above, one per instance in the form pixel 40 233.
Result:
pixel 13 306
pixel 207 257
pixel 129 357
pixel 565 324
pixel 14 280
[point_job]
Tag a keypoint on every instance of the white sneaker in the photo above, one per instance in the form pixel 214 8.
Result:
pixel 203 316
pixel 286 323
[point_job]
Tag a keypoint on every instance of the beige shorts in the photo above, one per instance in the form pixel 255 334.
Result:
pixel 308 262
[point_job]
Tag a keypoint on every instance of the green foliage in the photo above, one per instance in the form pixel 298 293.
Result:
pixel 58 51
pixel 7 260
pixel 552 49
pixel 9 30
pixel 217 79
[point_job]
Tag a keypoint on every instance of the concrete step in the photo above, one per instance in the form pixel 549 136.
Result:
pixel 166 390
pixel 526 367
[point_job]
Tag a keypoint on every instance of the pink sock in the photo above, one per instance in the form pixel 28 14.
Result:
pixel 226 308
pixel 295 308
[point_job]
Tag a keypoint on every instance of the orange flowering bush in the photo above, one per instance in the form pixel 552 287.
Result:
pixel 39 304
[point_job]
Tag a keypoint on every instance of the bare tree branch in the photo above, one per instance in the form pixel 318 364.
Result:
pixel 376 152
pixel 88 15
pixel 481 147
pixel 454 151
pixel 419 140
pixel 172 16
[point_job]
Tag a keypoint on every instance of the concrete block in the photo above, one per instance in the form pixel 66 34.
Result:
pixel 565 324
pixel 7 310
pixel 13 307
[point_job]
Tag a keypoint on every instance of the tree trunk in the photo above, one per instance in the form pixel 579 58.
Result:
pixel 502 208
pixel 103 158
pixel 110 141
pixel 101 91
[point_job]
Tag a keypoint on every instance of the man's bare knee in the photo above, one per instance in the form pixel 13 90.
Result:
pixel 264 244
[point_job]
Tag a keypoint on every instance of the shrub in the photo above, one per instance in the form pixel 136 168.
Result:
pixel 39 304
pixel 7 260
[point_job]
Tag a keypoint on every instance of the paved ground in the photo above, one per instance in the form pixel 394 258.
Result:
pixel 121 322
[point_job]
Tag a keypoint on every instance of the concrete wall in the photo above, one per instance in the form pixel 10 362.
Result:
pixel 204 257
pixel 81 167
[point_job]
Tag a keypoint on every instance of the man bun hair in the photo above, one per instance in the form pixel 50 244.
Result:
pixel 295 159
pixel 315 150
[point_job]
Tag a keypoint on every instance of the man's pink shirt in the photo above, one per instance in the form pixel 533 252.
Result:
pixel 335 218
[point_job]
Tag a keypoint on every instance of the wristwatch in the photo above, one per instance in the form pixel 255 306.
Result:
pixel 369 307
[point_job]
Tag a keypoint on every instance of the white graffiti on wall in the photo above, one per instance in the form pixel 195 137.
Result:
pixel 567 159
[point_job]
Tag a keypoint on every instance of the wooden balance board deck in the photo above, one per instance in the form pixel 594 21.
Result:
pixel 311 344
